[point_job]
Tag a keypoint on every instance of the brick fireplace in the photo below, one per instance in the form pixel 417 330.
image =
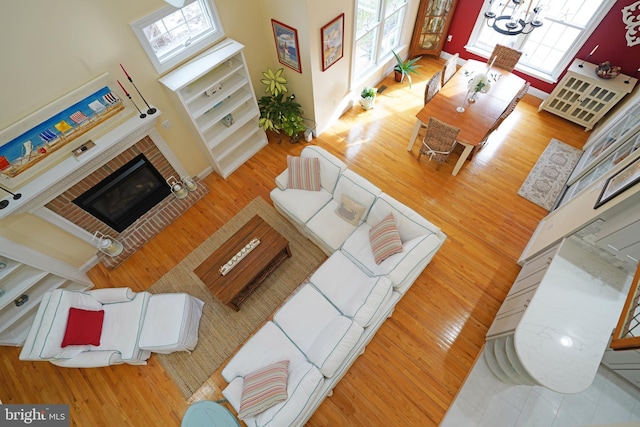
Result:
pixel 144 228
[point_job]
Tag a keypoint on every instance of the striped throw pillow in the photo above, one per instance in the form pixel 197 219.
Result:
pixel 263 389
pixel 304 173
pixel 385 239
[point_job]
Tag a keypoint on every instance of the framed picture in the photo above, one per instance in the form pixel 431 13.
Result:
pixel 40 140
pixel 620 182
pixel 287 45
pixel 332 36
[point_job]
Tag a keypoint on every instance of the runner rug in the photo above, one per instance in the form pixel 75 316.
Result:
pixel 222 329
pixel 550 173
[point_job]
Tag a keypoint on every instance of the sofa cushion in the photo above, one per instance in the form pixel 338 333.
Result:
pixel 330 166
pixel 304 173
pixel 318 329
pixel 349 210
pixel 122 326
pixel 47 330
pixel 410 223
pixel 334 343
pixel 267 346
pixel 84 327
pixel 300 205
pixel 326 228
pixel 353 292
pixel 263 389
pixel 385 239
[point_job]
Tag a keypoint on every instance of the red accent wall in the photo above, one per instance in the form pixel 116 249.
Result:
pixel 610 36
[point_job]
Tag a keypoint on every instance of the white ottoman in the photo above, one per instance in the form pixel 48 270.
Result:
pixel 171 323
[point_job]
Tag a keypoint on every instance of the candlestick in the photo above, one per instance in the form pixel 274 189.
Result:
pixel 150 110
pixel 634 75
pixel 123 89
pixel 125 72
pixel 594 49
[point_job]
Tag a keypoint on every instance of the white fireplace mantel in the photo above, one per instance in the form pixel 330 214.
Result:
pixel 57 179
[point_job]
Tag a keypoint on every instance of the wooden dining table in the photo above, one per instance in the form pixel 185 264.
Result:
pixel 479 116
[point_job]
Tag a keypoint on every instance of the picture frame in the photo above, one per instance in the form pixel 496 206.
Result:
pixel 49 135
pixel 332 36
pixel 287 46
pixel 617 184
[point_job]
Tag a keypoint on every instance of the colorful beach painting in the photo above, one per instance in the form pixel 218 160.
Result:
pixel 30 147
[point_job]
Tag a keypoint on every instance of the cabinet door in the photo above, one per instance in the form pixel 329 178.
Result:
pixel 567 95
pixel 593 103
pixel 432 24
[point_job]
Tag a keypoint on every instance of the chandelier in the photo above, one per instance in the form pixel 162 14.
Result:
pixel 514 17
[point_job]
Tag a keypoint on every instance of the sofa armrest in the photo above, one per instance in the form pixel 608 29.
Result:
pixel 282 180
pixel 90 359
pixel 415 261
pixel 112 295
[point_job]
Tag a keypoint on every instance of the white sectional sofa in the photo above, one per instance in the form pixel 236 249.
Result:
pixel 329 320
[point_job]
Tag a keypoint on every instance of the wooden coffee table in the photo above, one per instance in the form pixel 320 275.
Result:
pixel 234 287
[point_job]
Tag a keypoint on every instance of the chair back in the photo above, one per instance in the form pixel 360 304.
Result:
pixel 439 140
pixel 505 57
pixel 434 84
pixel 450 68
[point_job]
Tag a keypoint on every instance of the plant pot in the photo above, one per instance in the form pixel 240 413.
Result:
pixel 367 103
pixel 398 75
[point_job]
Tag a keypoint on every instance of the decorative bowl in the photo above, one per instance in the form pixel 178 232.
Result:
pixel 607 71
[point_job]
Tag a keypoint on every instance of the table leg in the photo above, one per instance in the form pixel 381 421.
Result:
pixel 414 135
pixel 463 158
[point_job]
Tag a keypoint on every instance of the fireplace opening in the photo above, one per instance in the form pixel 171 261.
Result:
pixel 126 194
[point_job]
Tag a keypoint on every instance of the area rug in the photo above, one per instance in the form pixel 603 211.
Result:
pixel 222 329
pixel 550 173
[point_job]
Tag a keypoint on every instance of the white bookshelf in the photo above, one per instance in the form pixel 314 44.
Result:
pixel 28 272
pixel 211 87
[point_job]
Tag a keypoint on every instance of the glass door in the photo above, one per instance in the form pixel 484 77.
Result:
pixel 432 24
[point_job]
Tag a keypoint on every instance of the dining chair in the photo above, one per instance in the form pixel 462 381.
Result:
pixel 434 84
pixel 439 141
pixel 450 68
pixel 507 111
pixel 505 57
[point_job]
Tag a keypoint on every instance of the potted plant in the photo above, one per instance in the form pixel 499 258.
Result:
pixel 405 68
pixel 279 112
pixel 367 97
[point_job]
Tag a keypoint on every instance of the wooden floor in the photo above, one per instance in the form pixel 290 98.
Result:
pixel 418 360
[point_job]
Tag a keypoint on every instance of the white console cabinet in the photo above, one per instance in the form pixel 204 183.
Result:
pixel 584 98
pixel 30 273
pixel 219 105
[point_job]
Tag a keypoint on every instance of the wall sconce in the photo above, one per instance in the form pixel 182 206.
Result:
pixel 177 187
pixel 189 183
pixel 107 244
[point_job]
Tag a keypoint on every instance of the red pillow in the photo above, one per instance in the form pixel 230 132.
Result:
pixel 84 327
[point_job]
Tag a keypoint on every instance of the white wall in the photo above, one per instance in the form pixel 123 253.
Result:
pixel 50 48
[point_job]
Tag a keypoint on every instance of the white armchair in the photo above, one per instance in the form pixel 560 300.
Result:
pixel 134 325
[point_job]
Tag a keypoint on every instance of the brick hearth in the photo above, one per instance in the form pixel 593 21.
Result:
pixel 144 228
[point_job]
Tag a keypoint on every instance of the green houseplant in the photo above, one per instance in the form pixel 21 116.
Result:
pixel 367 97
pixel 405 68
pixel 279 112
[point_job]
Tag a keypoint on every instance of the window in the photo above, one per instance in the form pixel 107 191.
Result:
pixel 378 30
pixel 171 35
pixel 547 50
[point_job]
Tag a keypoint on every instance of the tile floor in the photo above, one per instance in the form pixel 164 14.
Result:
pixel 485 401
